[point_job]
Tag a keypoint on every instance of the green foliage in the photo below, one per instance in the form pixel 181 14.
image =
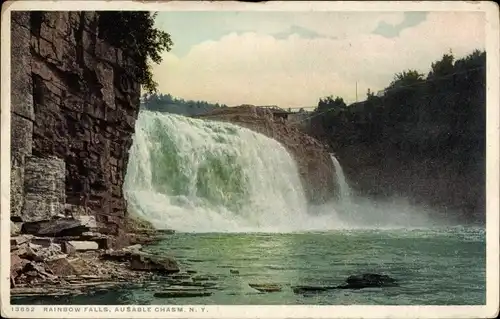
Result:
pixel 168 103
pixel 443 67
pixel 329 102
pixel 134 32
pixel 406 78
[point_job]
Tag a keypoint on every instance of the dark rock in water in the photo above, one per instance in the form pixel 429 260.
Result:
pixel 150 263
pixel 180 276
pixel 176 288
pixel 311 289
pixel 191 271
pixel 266 287
pixel 182 294
pixel 204 278
pixel 196 260
pixel 352 282
pixel 209 285
pixel 234 271
pixel 55 227
pixel 367 281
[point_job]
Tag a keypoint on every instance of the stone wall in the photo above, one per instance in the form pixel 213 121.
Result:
pixel 73 107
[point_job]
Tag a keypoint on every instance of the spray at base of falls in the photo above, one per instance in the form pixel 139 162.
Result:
pixel 205 176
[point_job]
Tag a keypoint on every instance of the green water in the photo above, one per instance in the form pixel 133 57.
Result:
pixel 436 266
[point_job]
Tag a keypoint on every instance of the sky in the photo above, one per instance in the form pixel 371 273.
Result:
pixel 291 59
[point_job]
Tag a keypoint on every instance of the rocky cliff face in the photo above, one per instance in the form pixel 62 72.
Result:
pixel 313 159
pixel 73 110
pixel 438 183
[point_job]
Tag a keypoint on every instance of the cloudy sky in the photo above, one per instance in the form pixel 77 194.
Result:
pixel 291 59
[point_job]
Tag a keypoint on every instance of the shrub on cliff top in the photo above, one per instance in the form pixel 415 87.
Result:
pixel 134 32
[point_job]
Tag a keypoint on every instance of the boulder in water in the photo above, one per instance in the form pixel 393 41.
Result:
pixel 311 289
pixel 266 287
pixel 368 281
pixel 352 282
pixel 181 276
pixel 182 294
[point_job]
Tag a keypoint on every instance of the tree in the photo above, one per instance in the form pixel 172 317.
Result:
pixel 167 103
pixel 370 94
pixel 135 34
pixel 406 78
pixel 330 102
pixel 443 67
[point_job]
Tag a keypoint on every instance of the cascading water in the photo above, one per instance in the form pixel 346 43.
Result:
pixel 344 189
pixel 194 175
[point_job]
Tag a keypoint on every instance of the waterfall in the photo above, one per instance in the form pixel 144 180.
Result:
pixel 195 175
pixel 344 189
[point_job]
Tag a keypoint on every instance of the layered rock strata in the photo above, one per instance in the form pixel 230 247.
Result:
pixel 73 108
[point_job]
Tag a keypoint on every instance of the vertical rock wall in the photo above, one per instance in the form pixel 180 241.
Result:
pixel 73 106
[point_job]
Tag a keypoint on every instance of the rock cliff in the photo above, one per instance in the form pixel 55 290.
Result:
pixel 313 159
pixel 73 110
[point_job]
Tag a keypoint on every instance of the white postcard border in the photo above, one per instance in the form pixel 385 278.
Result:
pixel 196 311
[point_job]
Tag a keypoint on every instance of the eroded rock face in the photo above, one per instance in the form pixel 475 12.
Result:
pixel 74 105
pixel 44 194
pixel 313 159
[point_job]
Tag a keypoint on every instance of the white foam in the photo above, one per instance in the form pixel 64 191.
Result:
pixel 252 182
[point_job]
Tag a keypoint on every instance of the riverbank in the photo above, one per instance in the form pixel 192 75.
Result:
pixel 38 274
pixel 68 256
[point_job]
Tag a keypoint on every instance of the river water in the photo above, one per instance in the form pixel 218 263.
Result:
pixel 434 266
